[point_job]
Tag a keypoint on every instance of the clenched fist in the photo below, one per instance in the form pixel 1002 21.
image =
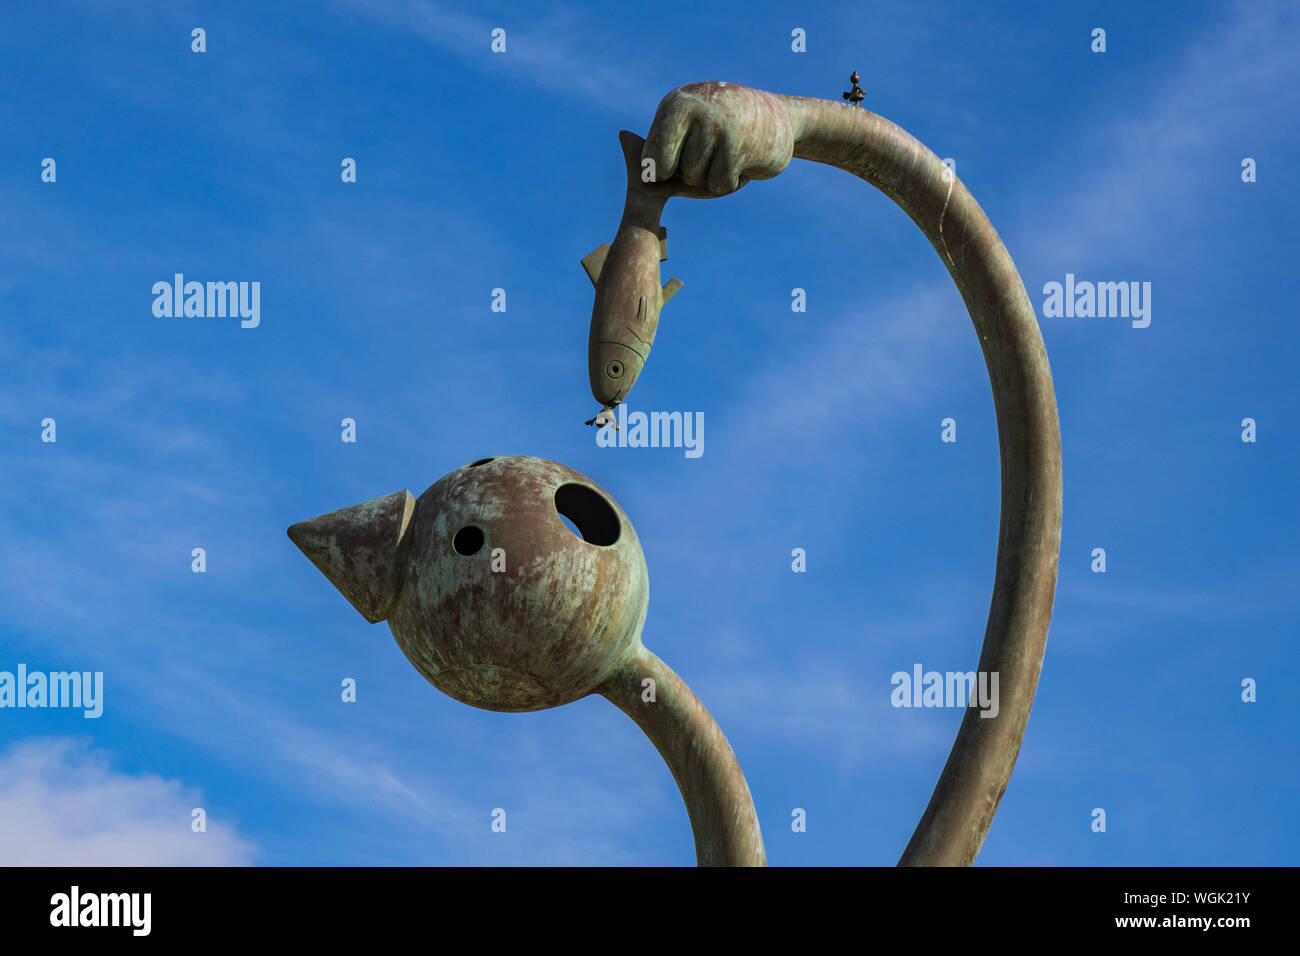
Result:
pixel 715 137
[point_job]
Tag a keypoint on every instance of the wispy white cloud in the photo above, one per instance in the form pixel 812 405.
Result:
pixel 882 355
pixel 1219 99
pixel 825 708
pixel 550 47
pixel 62 804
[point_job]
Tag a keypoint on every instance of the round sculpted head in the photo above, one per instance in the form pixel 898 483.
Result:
pixel 502 605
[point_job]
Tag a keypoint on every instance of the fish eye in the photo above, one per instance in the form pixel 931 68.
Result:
pixel 614 369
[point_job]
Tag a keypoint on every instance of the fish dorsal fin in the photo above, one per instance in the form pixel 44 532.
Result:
pixel 595 261
pixel 632 145
pixel 669 290
pixel 663 244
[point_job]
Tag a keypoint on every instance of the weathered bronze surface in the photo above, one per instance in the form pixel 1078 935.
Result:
pixel 500 605
pixel 626 276
pixel 362 550
pixel 710 139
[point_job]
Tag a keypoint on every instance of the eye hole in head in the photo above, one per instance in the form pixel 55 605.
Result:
pixel 481 461
pixel 614 369
pixel 468 540
pixel 588 511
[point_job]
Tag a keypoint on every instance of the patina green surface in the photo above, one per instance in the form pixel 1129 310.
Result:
pixel 710 139
pixel 362 550
pixel 500 605
pixel 562 618
pixel 563 615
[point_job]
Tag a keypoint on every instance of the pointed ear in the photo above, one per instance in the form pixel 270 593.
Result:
pixel 669 290
pixel 663 244
pixel 362 550
pixel 595 261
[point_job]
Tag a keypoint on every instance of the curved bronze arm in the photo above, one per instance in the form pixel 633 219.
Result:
pixel 702 762
pixel 721 135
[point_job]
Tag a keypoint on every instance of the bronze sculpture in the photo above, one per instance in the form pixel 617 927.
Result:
pixel 710 139
pixel 521 642
pixel 497 604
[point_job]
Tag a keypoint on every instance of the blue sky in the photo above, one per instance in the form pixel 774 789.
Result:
pixel 479 170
